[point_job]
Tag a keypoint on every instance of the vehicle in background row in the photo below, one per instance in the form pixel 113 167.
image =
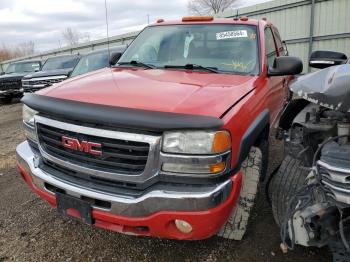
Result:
pixel 10 80
pixel 95 60
pixel 54 70
pixel 172 140
pixel 310 192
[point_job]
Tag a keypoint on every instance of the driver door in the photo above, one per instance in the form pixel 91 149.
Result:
pixel 277 84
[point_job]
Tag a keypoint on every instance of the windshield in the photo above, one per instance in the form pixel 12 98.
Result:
pixel 225 47
pixel 90 63
pixel 60 63
pixel 25 67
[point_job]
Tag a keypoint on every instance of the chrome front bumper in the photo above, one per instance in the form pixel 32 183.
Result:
pixel 184 198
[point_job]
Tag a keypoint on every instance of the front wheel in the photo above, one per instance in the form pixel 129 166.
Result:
pixel 289 178
pixel 236 225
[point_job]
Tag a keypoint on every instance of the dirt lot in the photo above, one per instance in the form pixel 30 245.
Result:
pixel 31 231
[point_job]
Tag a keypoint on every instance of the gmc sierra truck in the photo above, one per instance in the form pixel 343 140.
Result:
pixel 169 142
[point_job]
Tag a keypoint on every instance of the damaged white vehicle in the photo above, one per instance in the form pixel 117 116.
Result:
pixel 310 191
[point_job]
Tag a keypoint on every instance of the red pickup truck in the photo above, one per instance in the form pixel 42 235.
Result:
pixel 171 140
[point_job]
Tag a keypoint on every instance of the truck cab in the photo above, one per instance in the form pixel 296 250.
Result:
pixel 172 140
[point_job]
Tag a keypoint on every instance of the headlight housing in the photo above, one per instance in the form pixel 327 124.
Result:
pixel 196 142
pixel 196 152
pixel 28 115
pixel 29 123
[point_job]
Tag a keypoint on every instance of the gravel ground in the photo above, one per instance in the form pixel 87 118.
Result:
pixel 31 231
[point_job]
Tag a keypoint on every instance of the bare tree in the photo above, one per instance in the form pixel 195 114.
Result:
pixel 22 49
pixel 209 7
pixel 71 36
pixel 74 37
pixel 5 53
pixel 25 48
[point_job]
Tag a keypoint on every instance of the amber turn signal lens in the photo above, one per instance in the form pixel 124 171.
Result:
pixel 222 142
pixel 216 168
pixel 197 18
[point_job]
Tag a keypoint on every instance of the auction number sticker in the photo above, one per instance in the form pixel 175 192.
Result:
pixel 231 34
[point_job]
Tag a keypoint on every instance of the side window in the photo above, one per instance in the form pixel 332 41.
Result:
pixel 279 43
pixel 270 47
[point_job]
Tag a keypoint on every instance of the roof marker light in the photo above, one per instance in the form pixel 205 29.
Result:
pixel 197 18
pixel 244 18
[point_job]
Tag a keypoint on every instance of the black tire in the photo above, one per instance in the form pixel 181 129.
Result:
pixel 5 100
pixel 264 147
pixel 288 179
pixel 236 225
pixel 339 252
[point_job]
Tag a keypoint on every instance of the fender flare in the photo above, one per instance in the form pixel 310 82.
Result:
pixel 251 135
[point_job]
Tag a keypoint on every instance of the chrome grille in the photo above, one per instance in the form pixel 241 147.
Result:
pixel 132 158
pixel 32 85
pixel 336 180
pixel 117 155
pixel 10 84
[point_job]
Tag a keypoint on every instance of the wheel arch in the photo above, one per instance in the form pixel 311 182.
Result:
pixel 290 112
pixel 258 131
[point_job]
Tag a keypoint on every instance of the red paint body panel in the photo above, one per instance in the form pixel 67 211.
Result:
pixel 161 224
pixel 156 90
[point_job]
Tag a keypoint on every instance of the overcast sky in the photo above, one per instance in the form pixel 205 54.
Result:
pixel 42 21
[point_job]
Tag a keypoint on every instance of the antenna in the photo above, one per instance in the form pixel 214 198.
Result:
pixel 236 17
pixel 109 51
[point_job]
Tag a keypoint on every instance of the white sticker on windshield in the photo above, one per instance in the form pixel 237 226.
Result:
pixel 231 34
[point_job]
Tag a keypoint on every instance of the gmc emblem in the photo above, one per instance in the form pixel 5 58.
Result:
pixel 83 146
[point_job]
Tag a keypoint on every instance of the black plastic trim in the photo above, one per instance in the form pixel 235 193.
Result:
pixel 293 108
pixel 251 135
pixel 119 116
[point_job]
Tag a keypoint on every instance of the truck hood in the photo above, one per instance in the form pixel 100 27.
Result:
pixel 56 72
pixel 14 77
pixel 176 91
pixel 328 87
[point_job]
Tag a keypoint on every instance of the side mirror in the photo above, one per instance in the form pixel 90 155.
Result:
pixel 37 70
pixel 324 59
pixel 2 73
pixel 114 58
pixel 286 65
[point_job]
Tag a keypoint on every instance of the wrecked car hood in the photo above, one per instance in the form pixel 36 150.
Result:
pixel 329 87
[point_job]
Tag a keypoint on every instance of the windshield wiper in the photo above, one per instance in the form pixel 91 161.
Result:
pixel 194 66
pixel 137 63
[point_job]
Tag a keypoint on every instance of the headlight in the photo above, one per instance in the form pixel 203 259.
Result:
pixel 28 121
pixel 196 142
pixel 196 152
pixel 28 115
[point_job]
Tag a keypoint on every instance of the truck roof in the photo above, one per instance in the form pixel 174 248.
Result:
pixel 209 20
pixel 27 61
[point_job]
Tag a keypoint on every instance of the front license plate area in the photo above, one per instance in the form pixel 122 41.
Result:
pixel 65 202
